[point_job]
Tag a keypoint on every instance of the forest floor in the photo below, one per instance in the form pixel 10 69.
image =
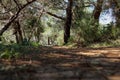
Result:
pixel 62 63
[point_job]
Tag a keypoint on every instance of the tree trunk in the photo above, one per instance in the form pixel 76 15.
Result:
pixel 116 10
pixel 18 32
pixel 98 9
pixel 68 21
pixel 48 40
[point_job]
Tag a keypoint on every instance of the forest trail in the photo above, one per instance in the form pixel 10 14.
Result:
pixel 62 63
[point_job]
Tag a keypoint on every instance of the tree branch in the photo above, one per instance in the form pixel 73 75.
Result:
pixel 49 13
pixel 17 4
pixel 14 17
pixel 56 16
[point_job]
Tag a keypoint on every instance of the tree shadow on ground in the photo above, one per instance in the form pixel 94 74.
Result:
pixel 61 63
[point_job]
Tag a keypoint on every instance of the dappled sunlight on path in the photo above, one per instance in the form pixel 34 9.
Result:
pixel 62 63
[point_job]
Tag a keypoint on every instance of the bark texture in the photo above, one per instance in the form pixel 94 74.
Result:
pixel 68 21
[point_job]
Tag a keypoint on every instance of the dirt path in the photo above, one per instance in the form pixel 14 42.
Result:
pixel 61 63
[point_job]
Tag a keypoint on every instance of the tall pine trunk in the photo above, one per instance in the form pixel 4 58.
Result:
pixel 68 21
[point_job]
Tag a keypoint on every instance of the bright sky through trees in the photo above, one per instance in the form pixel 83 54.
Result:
pixel 107 16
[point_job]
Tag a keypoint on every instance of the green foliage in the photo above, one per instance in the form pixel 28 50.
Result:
pixel 111 43
pixel 33 29
pixel 9 54
pixel 25 42
pixel 18 50
pixel 10 51
pixel 88 31
pixel 110 32
pixel 40 28
pixel 59 39
pixel 29 43
pixel 31 22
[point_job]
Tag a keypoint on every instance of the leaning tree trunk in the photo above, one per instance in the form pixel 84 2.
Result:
pixel 68 21
pixel 98 9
